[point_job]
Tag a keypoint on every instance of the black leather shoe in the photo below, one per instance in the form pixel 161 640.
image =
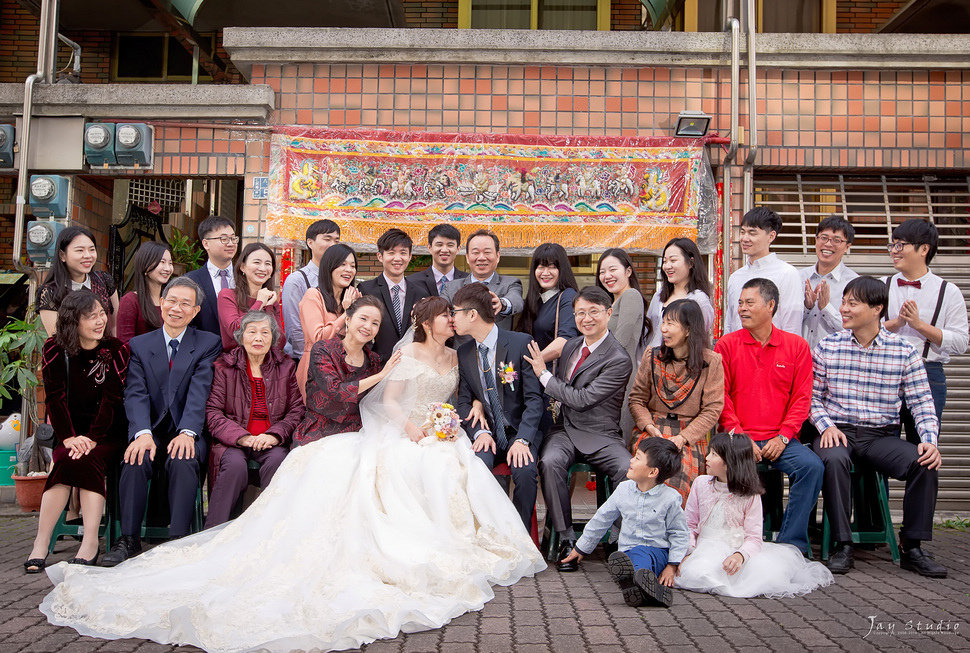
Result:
pixel 126 547
pixel 654 593
pixel 842 560
pixel 564 550
pixel 621 569
pixel 917 560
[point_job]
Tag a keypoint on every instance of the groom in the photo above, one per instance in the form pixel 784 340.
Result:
pixel 513 408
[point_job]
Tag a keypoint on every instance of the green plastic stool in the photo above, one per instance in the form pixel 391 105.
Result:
pixel 872 522
pixel 604 488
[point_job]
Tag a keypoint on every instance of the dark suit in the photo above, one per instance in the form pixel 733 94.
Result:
pixel 504 286
pixel 389 334
pixel 425 278
pixel 522 407
pixel 166 402
pixel 208 317
pixel 589 424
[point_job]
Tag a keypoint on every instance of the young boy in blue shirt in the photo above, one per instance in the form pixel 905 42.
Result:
pixel 653 535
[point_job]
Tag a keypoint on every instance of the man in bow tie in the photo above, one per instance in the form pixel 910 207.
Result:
pixel 925 310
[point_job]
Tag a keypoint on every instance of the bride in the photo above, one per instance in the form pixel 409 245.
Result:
pixel 360 535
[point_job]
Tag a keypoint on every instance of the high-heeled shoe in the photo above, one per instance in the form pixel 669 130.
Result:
pixel 86 563
pixel 35 565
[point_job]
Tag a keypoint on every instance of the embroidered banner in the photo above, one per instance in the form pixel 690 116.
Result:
pixel 586 193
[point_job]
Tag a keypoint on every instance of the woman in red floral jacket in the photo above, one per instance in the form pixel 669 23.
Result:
pixel 253 408
pixel 341 371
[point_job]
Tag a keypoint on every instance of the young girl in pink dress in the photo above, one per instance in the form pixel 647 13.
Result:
pixel 726 555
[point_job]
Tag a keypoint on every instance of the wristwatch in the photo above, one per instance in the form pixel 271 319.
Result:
pixel 523 441
pixel 784 440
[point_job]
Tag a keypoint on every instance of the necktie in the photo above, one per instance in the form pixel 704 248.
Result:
pixel 396 305
pixel 224 278
pixel 441 285
pixel 582 357
pixel 173 344
pixel 491 393
pixel 914 284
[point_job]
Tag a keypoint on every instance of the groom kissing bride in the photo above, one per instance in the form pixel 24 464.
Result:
pixel 490 370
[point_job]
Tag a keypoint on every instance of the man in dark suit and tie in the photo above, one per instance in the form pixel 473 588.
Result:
pixel 590 385
pixel 169 376
pixel 399 296
pixel 444 240
pixel 220 242
pixel 482 253
pixel 513 407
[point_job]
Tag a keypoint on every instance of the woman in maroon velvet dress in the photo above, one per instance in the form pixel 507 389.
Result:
pixel 341 371
pixel 84 377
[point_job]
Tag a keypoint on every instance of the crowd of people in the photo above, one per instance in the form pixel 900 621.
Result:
pixel 325 385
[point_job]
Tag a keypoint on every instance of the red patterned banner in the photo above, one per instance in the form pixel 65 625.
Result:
pixel 587 193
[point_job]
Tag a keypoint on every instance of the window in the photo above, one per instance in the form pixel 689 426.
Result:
pixel 776 16
pixel 534 14
pixel 149 57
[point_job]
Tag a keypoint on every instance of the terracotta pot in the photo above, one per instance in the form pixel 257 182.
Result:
pixel 29 491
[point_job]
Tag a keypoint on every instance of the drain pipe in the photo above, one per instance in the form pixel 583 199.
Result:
pixel 732 152
pixel 752 108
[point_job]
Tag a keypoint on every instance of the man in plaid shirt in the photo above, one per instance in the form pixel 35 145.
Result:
pixel 861 377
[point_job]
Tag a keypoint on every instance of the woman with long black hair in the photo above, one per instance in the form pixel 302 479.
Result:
pixel 140 308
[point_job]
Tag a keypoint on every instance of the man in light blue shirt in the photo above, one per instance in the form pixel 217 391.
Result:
pixel 653 535
pixel 319 236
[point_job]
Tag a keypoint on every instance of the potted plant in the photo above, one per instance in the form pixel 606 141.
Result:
pixel 21 342
pixel 186 255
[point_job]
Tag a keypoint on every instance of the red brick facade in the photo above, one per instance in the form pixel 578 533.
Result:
pixel 864 16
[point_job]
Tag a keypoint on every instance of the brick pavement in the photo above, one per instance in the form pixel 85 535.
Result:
pixel 566 613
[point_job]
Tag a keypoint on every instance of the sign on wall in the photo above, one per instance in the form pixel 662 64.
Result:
pixel 586 193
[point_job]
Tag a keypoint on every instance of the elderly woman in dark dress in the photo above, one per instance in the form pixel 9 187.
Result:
pixel 341 371
pixel 253 408
pixel 84 376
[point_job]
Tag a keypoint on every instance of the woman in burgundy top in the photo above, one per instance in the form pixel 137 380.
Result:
pixel 84 376
pixel 140 309
pixel 253 292
pixel 253 407
pixel 341 370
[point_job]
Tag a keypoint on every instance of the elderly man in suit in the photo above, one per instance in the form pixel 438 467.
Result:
pixel 513 407
pixel 482 253
pixel 398 296
pixel 589 385
pixel 169 376
pixel 220 242
pixel 444 240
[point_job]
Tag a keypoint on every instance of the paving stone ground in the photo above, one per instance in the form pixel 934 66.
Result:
pixel 877 607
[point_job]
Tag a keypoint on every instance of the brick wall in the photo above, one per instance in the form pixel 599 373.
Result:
pixel 625 15
pixel 431 13
pixel 864 16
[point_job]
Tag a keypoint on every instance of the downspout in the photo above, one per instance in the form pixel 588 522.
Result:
pixel 752 108
pixel 732 153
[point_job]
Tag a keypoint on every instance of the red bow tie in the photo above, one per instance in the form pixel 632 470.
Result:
pixel 914 284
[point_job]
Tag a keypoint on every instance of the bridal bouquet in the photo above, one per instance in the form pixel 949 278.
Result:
pixel 442 421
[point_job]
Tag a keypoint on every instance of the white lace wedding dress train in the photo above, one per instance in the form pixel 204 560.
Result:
pixel 360 536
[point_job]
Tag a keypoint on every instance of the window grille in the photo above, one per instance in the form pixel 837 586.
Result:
pixel 169 193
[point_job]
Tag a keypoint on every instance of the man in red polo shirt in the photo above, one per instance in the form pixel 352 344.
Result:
pixel 767 395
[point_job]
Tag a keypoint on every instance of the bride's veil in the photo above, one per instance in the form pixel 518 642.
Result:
pixel 387 406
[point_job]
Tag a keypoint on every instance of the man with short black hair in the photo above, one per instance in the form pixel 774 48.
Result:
pixel 589 387
pixel 220 242
pixel 825 281
pixel 399 296
pixel 482 252
pixel 444 241
pixel 759 228
pixel 925 310
pixel 319 237
pixel 861 375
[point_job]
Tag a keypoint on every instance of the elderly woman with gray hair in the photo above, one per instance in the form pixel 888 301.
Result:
pixel 253 408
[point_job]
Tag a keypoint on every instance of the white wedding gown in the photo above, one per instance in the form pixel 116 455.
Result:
pixel 360 536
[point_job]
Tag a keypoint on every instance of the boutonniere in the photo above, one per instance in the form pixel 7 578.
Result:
pixel 507 374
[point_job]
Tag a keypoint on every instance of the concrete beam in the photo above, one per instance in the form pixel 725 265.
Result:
pixel 250 46
pixel 143 101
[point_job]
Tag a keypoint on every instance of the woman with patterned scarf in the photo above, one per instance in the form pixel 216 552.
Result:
pixel 678 392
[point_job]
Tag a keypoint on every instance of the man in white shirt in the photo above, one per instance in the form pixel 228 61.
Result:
pixel 927 311
pixel 759 228
pixel 220 242
pixel 444 241
pixel 319 236
pixel 825 281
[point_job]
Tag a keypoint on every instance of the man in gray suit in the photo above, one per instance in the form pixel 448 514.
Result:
pixel 482 253
pixel 589 385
